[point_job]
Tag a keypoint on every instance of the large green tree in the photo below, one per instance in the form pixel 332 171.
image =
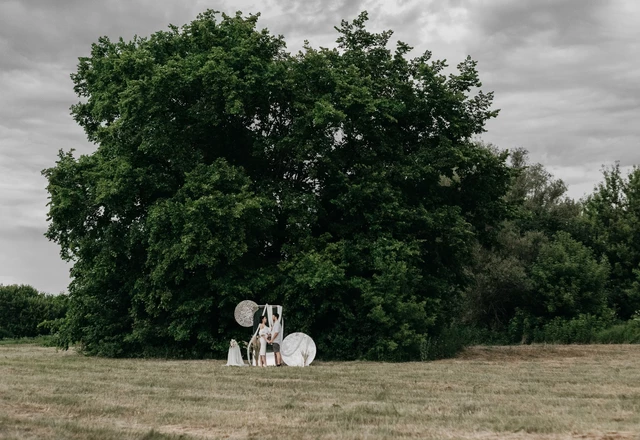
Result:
pixel 342 183
pixel 612 214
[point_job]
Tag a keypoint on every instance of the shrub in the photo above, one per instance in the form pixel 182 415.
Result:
pixel 43 341
pixel 581 330
pixel 23 309
pixel 625 333
pixel 454 339
pixel 569 281
pixel 522 326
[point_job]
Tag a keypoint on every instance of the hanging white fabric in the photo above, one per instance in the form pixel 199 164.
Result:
pixel 234 358
pixel 255 334
pixel 269 316
pixel 281 320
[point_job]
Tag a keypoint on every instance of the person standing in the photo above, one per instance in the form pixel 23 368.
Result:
pixel 263 337
pixel 276 339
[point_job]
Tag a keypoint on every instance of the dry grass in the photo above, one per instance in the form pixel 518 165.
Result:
pixel 549 392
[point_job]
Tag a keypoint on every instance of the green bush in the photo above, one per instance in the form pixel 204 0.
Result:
pixel 43 341
pixel 625 333
pixel 455 338
pixel 569 281
pixel 581 330
pixel 443 346
pixel 521 327
pixel 27 313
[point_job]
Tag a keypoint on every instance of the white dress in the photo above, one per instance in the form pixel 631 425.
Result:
pixel 263 340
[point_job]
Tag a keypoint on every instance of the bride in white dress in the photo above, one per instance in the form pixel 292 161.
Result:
pixel 263 333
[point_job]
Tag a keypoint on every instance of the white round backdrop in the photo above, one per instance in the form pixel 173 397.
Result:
pixel 244 313
pixel 294 348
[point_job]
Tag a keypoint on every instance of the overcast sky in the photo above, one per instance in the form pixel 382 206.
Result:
pixel 565 75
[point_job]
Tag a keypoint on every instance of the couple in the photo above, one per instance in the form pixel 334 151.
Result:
pixel 266 337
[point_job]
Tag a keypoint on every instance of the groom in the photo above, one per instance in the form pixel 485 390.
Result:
pixel 276 339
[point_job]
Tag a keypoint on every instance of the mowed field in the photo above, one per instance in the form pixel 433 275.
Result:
pixel 548 392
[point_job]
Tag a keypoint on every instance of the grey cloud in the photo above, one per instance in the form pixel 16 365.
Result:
pixel 40 42
pixel 313 20
pixel 27 257
pixel 561 72
pixel 43 35
pixel 568 22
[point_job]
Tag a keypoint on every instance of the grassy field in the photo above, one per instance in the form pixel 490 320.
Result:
pixel 548 392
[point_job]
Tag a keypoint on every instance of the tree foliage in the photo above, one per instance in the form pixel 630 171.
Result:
pixel 501 275
pixel 538 274
pixel 613 217
pixel 342 183
pixel 24 310
pixel 568 280
pixel 543 204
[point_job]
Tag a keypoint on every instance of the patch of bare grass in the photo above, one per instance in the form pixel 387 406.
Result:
pixel 549 392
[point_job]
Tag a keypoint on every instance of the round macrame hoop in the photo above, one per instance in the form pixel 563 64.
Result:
pixel 244 313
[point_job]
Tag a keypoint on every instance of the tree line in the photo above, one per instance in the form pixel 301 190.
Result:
pixel 346 184
pixel 27 313
pixel 560 270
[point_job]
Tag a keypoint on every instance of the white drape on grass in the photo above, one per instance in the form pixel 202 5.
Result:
pixel 234 358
